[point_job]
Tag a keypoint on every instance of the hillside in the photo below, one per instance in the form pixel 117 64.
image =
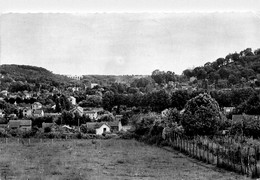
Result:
pixel 234 69
pixel 31 75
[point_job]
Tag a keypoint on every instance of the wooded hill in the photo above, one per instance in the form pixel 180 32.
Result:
pixel 31 74
pixel 235 68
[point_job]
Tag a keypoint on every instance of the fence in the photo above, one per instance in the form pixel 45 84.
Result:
pixel 237 158
pixel 29 140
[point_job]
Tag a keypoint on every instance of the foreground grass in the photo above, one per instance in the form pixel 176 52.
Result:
pixel 102 159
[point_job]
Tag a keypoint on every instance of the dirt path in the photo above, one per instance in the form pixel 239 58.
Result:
pixel 105 159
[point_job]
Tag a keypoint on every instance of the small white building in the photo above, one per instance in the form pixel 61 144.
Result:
pixel 92 85
pixel 91 114
pixel 100 128
pixel 72 100
pixel 27 112
pixel 36 105
pixel 2 113
pixel 38 113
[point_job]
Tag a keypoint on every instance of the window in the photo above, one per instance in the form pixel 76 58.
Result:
pixel 104 129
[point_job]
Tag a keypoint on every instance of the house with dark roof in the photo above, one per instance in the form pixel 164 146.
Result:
pixel 100 127
pixel 241 117
pixel 25 125
pixel 20 124
pixel 78 109
pixel 49 125
pixel 115 125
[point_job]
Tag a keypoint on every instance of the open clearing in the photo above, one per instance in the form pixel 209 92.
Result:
pixel 102 159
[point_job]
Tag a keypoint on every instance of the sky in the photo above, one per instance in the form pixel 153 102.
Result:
pixel 124 43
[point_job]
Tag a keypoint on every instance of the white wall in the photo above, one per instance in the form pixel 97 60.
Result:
pixel 100 131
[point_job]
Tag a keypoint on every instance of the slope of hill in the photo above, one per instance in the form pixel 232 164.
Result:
pixel 31 74
pixel 235 68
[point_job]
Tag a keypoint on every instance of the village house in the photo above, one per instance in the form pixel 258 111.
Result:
pixel 36 105
pixel 227 110
pixel 72 100
pixel 4 92
pixel 164 113
pixel 27 112
pixel 115 125
pixel 27 95
pixel 91 114
pixel 2 113
pixel 100 128
pixel 38 113
pixel 92 85
pixel 241 117
pixel 44 125
pixel 24 125
pixel 78 110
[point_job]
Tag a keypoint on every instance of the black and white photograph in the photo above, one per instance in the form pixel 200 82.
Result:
pixel 129 90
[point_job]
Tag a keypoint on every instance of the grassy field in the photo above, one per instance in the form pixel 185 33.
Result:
pixel 105 159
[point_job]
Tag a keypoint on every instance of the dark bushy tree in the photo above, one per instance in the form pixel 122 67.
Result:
pixel 201 116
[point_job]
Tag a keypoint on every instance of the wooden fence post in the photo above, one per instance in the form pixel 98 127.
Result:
pixel 247 164
pixel 5 140
pixel 241 160
pixel 255 163
pixel 208 152
pixel 217 155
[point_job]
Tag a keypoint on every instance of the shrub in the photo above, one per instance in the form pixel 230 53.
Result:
pixel 143 123
pixel 201 116
pixel 47 129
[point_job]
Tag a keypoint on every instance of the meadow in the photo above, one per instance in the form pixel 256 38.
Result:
pixel 101 159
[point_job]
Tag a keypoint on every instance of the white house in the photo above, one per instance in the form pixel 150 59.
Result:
pixel 72 100
pixel 228 110
pixel 2 113
pixel 100 128
pixel 91 114
pixel 164 112
pixel 27 112
pixel 36 105
pixel 92 85
pixel 38 113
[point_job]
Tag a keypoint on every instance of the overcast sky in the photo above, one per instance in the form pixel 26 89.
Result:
pixel 124 43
